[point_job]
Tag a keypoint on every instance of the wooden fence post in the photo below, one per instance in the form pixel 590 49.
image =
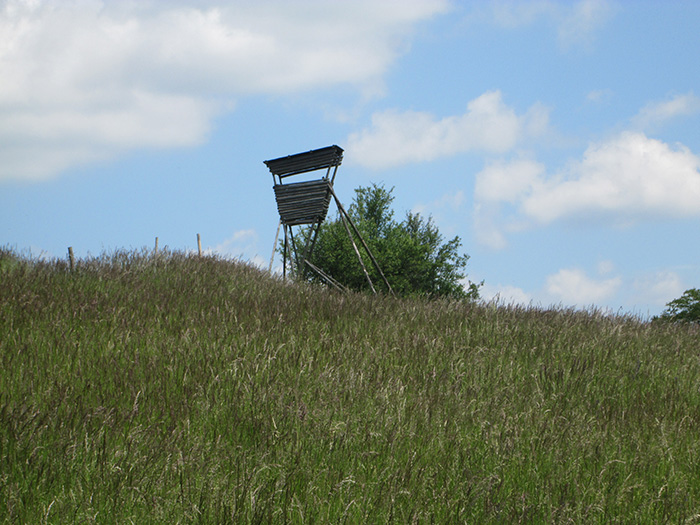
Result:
pixel 155 253
pixel 199 245
pixel 71 258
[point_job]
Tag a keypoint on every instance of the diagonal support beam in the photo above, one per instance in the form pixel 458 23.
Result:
pixel 357 252
pixel 345 214
pixel 274 246
pixel 326 277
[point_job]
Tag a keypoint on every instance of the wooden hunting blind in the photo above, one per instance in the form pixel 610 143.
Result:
pixel 306 204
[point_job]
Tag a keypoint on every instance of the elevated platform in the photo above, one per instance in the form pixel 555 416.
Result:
pixel 303 202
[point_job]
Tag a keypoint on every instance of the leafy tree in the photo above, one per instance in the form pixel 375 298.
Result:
pixel 412 254
pixel 685 308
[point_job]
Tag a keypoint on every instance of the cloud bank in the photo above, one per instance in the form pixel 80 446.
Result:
pixel 573 286
pixel 627 178
pixel 488 125
pixel 87 79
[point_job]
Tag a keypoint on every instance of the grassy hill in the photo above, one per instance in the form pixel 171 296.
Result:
pixel 186 389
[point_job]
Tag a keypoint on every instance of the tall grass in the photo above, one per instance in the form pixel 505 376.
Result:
pixel 183 389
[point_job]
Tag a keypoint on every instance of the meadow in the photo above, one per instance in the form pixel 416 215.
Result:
pixel 183 389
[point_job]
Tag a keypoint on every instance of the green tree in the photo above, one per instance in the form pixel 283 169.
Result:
pixel 686 308
pixel 412 254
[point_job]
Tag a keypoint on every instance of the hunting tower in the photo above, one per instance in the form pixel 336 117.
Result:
pixel 306 204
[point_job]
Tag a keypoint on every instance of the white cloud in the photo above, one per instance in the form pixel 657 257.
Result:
pixel 606 267
pixel 508 181
pixel 43 142
pixel 488 124
pixel 584 19
pixel 628 178
pixel 512 14
pixel 657 113
pixel 505 294
pixel 658 288
pixel 576 22
pixel 243 245
pixel 574 287
pixel 453 201
pixel 599 96
pixel 503 182
pixel 240 242
pixel 87 79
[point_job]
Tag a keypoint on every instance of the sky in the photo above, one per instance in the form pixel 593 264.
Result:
pixel 559 140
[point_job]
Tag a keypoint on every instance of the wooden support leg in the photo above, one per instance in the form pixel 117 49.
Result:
pixel 274 246
pixel 284 255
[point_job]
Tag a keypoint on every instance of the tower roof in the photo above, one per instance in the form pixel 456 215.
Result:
pixel 316 159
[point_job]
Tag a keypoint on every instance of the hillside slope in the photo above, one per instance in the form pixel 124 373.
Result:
pixel 185 389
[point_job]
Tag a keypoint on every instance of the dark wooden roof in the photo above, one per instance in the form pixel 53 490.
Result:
pixel 303 162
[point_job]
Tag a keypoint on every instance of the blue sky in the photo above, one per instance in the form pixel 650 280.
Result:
pixel 558 140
